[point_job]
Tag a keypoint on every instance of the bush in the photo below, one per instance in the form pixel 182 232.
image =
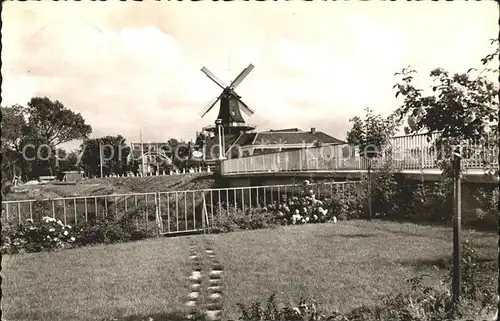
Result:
pixel 307 208
pixel 36 236
pixel 110 229
pixel 237 219
pixel 487 214
pixel 47 234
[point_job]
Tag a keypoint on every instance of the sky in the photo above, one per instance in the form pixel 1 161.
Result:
pixel 127 66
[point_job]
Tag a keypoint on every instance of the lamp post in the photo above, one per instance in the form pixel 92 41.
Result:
pixel 218 123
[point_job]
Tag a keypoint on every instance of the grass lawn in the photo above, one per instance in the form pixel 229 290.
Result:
pixel 343 265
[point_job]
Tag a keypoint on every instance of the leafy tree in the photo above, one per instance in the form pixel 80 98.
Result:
pixel 53 123
pixel 13 124
pixel 370 135
pixel 68 161
pixel 43 123
pixel 114 155
pixel 463 107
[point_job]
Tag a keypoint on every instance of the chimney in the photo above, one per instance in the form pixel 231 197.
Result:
pixel 313 130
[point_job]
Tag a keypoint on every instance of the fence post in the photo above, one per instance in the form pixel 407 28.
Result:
pixel 159 221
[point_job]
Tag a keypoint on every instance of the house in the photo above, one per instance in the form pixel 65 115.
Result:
pixel 72 176
pixel 154 155
pixel 256 143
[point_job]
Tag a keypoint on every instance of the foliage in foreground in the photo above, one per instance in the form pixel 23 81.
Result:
pixel 418 303
pixel 49 234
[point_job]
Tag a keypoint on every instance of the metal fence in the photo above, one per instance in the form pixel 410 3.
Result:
pixel 74 210
pixel 170 212
pixel 405 152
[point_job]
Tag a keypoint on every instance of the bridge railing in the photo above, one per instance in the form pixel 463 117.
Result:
pixel 405 152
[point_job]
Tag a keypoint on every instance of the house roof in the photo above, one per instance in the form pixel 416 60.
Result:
pixel 286 130
pixel 284 138
pixel 150 149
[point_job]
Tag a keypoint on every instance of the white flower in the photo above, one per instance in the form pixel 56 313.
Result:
pixel 334 219
pixel 52 229
pixel 29 220
pixel 60 223
pixel 72 239
pixel 56 239
pixel 68 226
pixel 48 237
pixel 307 218
pixel 65 233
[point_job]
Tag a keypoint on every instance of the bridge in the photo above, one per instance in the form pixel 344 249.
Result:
pixel 415 156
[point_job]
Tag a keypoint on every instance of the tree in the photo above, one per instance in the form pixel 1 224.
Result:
pixel 13 124
pixel 44 123
pixel 462 107
pixel 53 123
pixel 370 135
pixel 114 155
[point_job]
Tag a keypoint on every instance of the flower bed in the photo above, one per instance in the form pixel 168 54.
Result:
pixel 305 208
pixel 35 236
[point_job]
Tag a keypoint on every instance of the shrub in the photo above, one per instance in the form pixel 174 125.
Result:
pixel 489 211
pixel 35 236
pixel 348 206
pixel 237 219
pixel 307 208
pixel 110 229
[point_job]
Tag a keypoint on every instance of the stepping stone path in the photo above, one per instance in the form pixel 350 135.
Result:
pixel 205 292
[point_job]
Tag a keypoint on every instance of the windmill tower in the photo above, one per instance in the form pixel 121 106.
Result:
pixel 231 105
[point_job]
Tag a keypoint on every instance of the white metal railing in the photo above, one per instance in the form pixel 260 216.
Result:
pixel 194 210
pixel 171 212
pixel 74 210
pixel 406 152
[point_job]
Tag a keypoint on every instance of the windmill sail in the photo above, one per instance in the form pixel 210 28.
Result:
pixel 214 79
pixel 245 108
pixel 209 106
pixel 241 76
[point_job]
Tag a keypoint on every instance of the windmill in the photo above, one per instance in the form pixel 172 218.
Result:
pixel 230 104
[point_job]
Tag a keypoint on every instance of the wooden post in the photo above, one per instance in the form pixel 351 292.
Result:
pixel 457 243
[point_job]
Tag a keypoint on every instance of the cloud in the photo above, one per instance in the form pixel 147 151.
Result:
pixel 126 66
